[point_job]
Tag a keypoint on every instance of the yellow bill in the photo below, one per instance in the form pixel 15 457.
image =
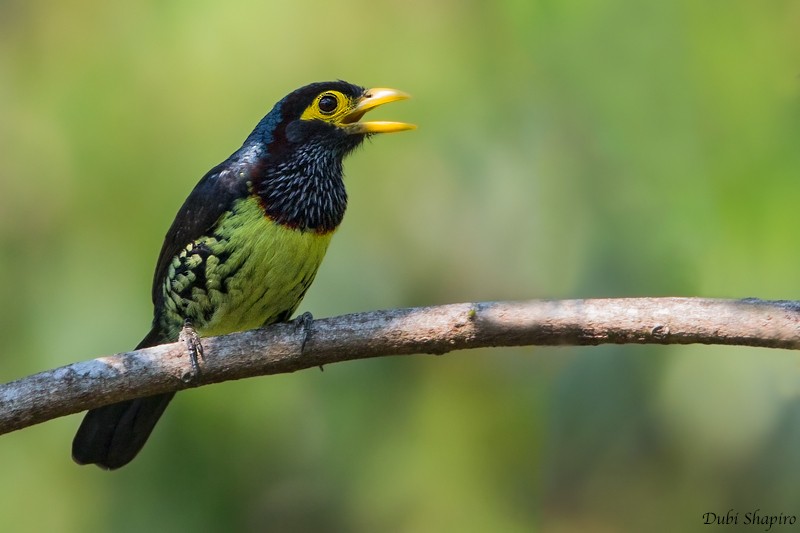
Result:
pixel 371 99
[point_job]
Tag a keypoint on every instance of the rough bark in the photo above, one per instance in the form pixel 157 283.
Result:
pixel 289 347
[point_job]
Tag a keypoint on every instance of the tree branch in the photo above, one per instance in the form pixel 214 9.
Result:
pixel 434 330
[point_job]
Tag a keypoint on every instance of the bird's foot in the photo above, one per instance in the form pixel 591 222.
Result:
pixel 303 322
pixel 190 337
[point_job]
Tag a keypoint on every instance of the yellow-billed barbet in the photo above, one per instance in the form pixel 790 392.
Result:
pixel 247 242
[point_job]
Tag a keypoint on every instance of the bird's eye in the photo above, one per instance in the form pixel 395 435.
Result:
pixel 328 103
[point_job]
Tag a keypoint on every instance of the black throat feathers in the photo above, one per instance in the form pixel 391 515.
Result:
pixel 300 184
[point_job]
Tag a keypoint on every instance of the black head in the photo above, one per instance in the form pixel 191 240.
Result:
pixel 304 140
pixel 326 115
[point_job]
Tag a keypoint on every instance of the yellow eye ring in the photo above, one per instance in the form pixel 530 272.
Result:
pixel 328 106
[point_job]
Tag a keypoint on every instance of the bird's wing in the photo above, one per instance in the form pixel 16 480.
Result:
pixel 211 198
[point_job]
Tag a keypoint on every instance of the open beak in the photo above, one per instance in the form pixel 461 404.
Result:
pixel 371 99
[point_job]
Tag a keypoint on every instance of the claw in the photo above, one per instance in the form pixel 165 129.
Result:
pixel 192 340
pixel 303 321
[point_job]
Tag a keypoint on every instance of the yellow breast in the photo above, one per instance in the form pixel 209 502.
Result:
pixel 251 272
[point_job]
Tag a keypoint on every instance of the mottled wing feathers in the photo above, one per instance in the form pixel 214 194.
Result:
pixel 211 198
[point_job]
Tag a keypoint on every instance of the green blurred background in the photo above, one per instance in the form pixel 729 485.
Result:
pixel 566 149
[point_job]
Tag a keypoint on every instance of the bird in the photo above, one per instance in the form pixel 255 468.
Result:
pixel 247 242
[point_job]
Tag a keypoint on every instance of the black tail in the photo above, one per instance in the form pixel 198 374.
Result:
pixel 112 435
